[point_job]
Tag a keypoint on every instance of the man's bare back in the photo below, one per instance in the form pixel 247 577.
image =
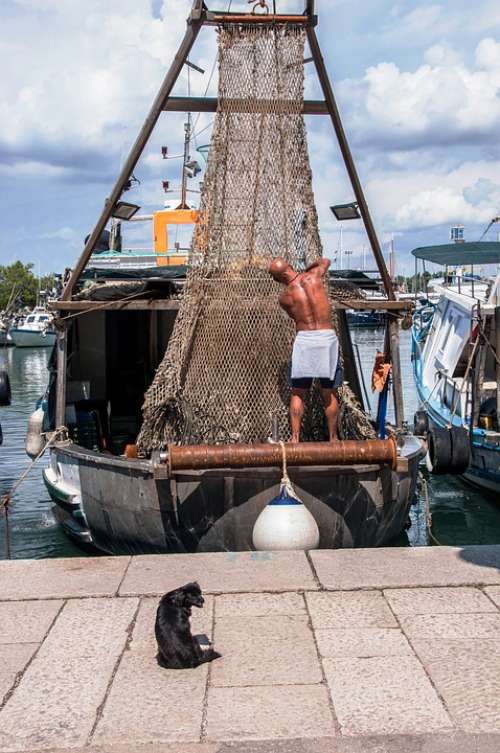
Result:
pixel 306 302
pixel 304 298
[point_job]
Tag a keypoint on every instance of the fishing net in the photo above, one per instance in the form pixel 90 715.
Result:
pixel 224 376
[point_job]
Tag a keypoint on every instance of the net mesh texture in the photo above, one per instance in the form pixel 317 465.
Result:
pixel 224 376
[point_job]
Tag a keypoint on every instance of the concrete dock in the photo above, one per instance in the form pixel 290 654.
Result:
pixel 348 651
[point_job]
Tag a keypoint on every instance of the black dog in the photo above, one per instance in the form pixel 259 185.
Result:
pixel 177 648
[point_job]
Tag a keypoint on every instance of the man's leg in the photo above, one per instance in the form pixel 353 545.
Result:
pixel 296 412
pixel 331 411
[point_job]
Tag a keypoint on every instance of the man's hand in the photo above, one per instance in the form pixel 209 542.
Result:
pixel 320 266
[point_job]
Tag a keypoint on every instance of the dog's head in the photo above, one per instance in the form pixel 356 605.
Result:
pixel 188 596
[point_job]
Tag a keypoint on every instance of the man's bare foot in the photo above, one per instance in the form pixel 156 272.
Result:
pixel 294 440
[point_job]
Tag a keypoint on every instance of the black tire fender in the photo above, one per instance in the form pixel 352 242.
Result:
pixel 5 393
pixel 420 423
pixel 439 451
pixel 460 449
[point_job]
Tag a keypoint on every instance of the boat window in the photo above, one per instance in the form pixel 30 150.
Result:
pixel 43 318
pixel 30 319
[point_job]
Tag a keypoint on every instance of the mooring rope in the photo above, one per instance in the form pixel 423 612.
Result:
pixel 427 509
pixel 6 499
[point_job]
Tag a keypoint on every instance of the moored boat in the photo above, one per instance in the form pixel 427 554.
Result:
pixel 455 347
pixel 36 331
pixel 148 367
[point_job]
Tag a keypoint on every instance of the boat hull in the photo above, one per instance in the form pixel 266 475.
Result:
pixel 24 338
pixel 484 469
pixel 133 507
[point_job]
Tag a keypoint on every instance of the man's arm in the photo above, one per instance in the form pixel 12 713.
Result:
pixel 321 266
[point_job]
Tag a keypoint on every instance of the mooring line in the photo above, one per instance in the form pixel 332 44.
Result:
pixel 6 499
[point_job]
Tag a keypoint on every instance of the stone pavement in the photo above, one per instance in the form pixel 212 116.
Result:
pixel 348 651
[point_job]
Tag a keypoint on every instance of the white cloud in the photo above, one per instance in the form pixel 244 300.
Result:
pixel 438 206
pixel 442 55
pixel 488 54
pixel 441 102
pixel 92 75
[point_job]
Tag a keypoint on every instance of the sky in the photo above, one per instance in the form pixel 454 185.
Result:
pixel 417 84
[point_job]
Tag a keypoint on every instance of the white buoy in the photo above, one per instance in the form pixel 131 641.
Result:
pixel 285 523
pixel 35 440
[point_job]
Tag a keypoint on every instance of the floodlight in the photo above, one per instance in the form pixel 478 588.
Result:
pixel 124 211
pixel 192 168
pixel 164 152
pixel 346 211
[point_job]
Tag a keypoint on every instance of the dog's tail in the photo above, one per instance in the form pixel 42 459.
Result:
pixel 209 655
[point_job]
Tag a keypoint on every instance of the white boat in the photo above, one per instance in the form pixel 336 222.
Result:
pixel 36 331
pixel 455 349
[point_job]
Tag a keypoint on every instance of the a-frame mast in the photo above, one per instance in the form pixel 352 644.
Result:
pixel 200 16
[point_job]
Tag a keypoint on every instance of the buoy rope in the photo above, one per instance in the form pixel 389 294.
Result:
pixel 285 478
pixel 6 499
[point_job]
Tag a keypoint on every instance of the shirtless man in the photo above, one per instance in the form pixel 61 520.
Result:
pixel 315 350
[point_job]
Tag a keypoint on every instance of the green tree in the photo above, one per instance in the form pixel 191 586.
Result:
pixel 18 280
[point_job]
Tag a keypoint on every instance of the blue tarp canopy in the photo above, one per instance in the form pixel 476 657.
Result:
pixel 458 254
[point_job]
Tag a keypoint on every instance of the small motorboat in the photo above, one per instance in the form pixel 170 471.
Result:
pixel 37 330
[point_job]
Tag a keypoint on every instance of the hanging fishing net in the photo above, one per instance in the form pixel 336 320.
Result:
pixel 224 376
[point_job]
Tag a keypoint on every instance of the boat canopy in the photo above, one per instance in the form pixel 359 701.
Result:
pixel 455 254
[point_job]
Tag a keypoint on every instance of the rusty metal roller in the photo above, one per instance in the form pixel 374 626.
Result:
pixel 345 452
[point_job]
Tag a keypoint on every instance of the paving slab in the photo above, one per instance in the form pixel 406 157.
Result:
pixel 289 711
pixel 384 695
pixel 223 572
pixel 131 747
pixel 451 627
pixel 149 704
pixel 55 704
pixel 259 605
pixel 362 642
pixel 437 743
pixel 13 659
pixel 469 683
pixel 494 594
pixel 61 578
pixel 414 601
pixel 266 651
pixel 26 621
pixel 90 627
pixel 56 701
pixel 143 634
pixel 349 609
pixel 412 567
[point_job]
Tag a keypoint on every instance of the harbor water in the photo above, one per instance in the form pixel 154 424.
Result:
pixel 460 514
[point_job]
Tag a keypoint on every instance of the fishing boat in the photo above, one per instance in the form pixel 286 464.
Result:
pixel 456 365
pixel 167 408
pixel 36 331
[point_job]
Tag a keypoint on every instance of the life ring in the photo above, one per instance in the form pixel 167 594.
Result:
pixel 5 393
